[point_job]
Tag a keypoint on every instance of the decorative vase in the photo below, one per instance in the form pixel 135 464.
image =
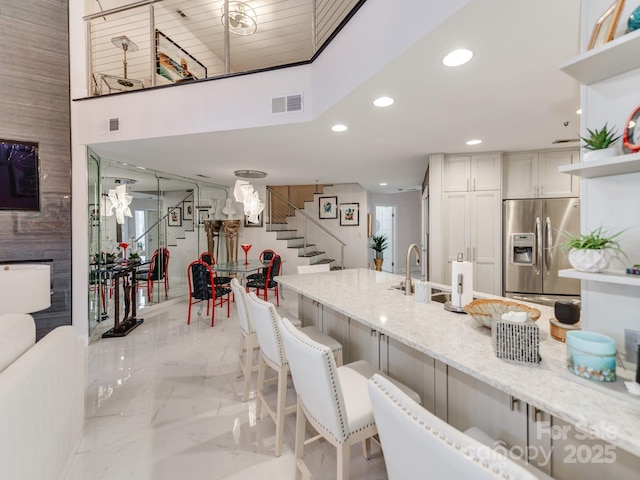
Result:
pixel 378 262
pixel 634 20
pixel 601 154
pixel 589 260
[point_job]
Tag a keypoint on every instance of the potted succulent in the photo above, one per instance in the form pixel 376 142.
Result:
pixel 591 252
pixel 379 244
pixel 600 143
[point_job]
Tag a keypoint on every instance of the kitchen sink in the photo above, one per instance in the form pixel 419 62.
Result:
pixel 441 297
pixel 401 287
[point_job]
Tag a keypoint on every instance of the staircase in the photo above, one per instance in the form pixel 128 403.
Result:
pixel 307 241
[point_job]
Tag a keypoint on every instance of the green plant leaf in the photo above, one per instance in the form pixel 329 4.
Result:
pixel 600 139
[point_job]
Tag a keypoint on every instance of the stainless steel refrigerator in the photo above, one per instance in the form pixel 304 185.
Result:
pixel 533 231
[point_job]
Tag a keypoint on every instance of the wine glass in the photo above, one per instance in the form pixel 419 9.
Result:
pixel 246 247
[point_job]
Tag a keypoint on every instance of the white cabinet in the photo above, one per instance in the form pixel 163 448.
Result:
pixel 473 226
pixel 535 174
pixel 470 173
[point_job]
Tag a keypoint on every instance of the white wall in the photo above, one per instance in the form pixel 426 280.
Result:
pixel 408 225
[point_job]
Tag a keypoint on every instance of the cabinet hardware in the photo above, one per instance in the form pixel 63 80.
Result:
pixel 535 413
pixel 514 400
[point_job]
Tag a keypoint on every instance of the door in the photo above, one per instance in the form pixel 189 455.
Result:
pixel 561 215
pixel 385 224
pixel 522 217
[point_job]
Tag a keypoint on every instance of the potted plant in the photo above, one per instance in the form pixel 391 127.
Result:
pixel 600 143
pixel 379 244
pixel 134 257
pixel 591 252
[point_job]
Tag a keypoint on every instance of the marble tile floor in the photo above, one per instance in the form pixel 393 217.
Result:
pixel 164 403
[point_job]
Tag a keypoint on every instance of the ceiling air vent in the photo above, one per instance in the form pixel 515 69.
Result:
pixel 110 125
pixel 290 103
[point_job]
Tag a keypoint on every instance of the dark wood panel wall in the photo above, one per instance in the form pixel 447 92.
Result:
pixel 34 107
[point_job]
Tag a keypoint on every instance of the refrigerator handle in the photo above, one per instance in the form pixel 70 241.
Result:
pixel 549 250
pixel 538 235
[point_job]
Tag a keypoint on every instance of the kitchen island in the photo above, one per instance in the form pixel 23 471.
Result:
pixel 461 351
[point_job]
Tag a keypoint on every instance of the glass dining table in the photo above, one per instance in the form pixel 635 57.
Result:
pixel 239 268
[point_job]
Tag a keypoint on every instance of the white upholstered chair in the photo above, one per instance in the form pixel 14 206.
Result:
pixel 334 400
pixel 266 321
pixel 414 441
pixel 321 267
pixel 248 338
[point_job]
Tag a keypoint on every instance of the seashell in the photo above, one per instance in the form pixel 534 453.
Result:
pixel 484 310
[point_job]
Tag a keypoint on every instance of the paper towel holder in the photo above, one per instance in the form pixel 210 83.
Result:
pixel 448 305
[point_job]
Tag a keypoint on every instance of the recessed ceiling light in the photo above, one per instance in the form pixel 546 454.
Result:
pixel 383 101
pixel 339 128
pixel 474 142
pixel 383 184
pixel 579 111
pixel 457 57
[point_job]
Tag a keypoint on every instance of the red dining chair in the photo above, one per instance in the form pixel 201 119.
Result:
pixel 268 282
pixel 203 289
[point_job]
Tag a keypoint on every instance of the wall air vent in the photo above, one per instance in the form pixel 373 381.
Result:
pixel 290 103
pixel 566 140
pixel 110 125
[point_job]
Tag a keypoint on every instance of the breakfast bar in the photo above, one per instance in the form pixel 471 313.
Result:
pixel 447 354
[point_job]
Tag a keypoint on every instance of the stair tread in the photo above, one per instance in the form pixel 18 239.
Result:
pixel 302 246
pixel 310 254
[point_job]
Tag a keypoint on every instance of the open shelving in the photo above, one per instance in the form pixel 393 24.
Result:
pixel 613 58
pixel 619 165
pixel 608 276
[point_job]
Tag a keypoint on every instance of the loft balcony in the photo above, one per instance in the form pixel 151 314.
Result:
pixel 158 43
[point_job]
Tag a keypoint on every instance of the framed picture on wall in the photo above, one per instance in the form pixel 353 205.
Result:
pixel 349 214
pixel 187 210
pixel 203 214
pixel 175 217
pixel 327 207
pixel 259 223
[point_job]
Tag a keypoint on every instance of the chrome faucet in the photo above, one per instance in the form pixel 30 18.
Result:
pixel 407 281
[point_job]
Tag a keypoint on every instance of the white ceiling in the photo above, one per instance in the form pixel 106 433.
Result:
pixel 511 95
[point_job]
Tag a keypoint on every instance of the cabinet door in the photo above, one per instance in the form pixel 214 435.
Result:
pixel 411 367
pixel 486 246
pixel 308 312
pixel 455 173
pixel 520 175
pixel 553 183
pixel 363 344
pixel 576 454
pixel 455 219
pixel 472 403
pixel 486 172
pixel 336 325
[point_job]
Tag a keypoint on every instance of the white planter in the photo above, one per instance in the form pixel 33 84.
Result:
pixel 589 260
pixel 593 155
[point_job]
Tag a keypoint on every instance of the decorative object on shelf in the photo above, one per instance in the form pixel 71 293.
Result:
pixel 175 216
pixel 591 355
pixel 633 23
pixel 241 19
pixel 484 311
pixel 246 247
pixel 327 207
pixel 228 209
pixel 349 214
pixel 635 270
pixel 379 244
pixel 631 137
pixel 591 252
pixel 605 28
pixel 567 312
pixel 600 143
pixel 127 45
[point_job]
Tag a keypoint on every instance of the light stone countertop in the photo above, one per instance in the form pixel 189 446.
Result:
pixel 459 341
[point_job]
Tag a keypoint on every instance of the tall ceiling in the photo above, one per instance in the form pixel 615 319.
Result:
pixel 511 95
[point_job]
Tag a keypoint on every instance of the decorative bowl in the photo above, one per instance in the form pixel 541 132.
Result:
pixel 591 355
pixel 484 310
